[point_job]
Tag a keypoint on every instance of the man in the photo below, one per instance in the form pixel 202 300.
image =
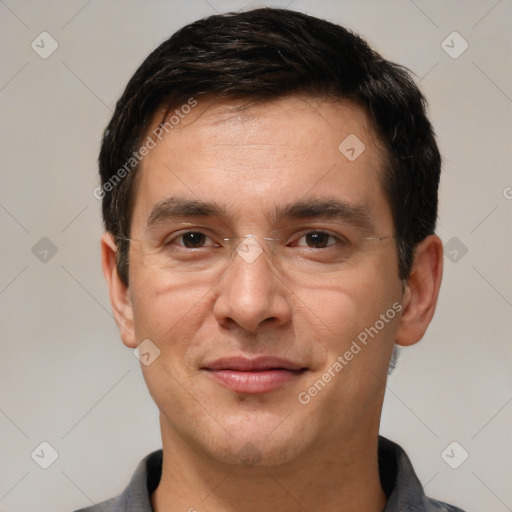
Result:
pixel 269 190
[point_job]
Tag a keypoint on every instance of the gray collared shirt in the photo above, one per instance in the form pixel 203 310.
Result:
pixel 398 479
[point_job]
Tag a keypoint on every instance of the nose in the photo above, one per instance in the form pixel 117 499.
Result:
pixel 251 293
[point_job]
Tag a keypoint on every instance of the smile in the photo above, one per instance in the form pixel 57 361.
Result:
pixel 259 375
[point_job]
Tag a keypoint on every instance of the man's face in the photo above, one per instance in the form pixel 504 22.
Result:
pixel 298 304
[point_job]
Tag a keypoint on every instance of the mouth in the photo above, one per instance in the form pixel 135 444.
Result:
pixel 259 375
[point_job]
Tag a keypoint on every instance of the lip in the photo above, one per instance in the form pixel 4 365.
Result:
pixel 259 375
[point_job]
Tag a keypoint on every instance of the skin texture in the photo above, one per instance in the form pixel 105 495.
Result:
pixel 232 451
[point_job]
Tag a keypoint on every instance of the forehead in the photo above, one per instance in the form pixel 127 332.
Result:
pixel 256 156
pixel 287 122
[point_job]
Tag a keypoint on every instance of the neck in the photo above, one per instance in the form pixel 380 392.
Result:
pixel 337 477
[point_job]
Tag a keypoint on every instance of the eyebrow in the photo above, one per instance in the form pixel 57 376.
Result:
pixel 177 207
pixel 330 208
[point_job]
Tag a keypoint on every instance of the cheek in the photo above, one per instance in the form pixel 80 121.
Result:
pixel 356 344
pixel 169 312
pixel 356 312
pixel 171 316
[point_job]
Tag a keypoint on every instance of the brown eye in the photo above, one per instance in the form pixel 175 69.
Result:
pixel 193 239
pixel 317 239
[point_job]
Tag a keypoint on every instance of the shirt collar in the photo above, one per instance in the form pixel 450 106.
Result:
pixel 398 479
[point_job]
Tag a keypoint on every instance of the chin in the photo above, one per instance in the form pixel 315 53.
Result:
pixel 246 453
pixel 263 441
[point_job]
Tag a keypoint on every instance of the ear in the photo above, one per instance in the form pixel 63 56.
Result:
pixel 119 292
pixel 421 292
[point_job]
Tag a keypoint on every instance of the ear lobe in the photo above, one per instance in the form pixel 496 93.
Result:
pixel 118 291
pixel 421 292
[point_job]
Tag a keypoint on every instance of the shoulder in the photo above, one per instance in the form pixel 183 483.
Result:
pixel 104 506
pixel 136 497
pixel 401 484
pixel 431 505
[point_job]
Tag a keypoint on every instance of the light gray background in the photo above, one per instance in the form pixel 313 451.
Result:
pixel 66 377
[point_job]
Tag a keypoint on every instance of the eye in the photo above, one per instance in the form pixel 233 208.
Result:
pixel 319 240
pixel 190 240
